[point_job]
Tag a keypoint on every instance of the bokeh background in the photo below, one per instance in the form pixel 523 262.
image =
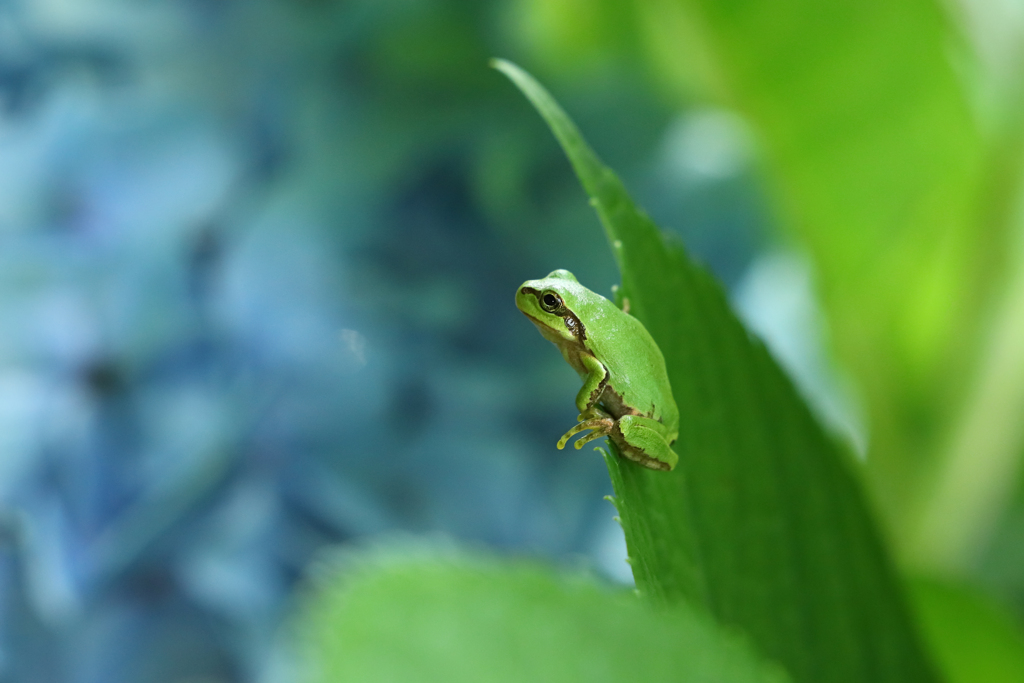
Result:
pixel 257 266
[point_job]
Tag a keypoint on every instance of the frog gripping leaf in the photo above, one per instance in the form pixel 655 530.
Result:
pixel 625 395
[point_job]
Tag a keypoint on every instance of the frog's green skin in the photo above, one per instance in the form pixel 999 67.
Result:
pixel 626 395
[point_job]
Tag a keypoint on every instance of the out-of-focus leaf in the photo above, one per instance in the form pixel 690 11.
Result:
pixel 477 620
pixel 762 521
pixel 974 483
pixel 971 638
pixel 575 34
pixel 881 168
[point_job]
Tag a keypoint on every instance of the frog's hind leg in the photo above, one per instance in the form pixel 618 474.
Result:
pixel 643 440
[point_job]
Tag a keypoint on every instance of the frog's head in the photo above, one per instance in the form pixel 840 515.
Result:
pixel 552 304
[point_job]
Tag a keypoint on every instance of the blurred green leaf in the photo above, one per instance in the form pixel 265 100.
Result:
pixel 762 521
pixel 883 171
pixel 474 620
pixel 575 35
pixel 971 637
pixel 973 487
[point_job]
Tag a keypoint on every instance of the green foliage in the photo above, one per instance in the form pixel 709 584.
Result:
pixel 890 139
pixel 762 522
pixel 473 620
pixel 970 636
pixel 882 171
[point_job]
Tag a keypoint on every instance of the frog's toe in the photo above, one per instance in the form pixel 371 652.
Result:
pixel 600 426
pixel 596 434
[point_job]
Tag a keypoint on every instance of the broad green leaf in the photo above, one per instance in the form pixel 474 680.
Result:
pixel 762 521
pixel 881 169
pixel 474 620
pixel 970 636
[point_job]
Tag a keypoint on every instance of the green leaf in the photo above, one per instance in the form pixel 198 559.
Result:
pixel 762 521
pixel 880 166
pixel 972 638
pixel 472 620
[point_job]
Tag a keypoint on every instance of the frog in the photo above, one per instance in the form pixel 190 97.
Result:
pixel 626 395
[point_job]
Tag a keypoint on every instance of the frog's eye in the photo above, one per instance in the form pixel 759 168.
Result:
pixel 550 302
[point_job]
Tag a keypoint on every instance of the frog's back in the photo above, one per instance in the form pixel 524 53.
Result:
pixel 637 368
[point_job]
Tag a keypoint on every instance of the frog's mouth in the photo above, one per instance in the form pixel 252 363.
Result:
pixel 532 319
pixel 544 328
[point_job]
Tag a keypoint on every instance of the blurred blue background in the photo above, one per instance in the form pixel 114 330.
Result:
pixel 257 265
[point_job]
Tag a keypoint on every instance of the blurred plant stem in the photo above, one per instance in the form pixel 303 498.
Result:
pixel 979 469
pixel 976 469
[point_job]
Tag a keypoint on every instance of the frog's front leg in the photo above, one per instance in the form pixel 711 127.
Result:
pixel 593 386
pixel 591 416
pixel 645 441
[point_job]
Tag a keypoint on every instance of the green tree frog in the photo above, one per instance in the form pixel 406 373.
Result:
pixel 626 395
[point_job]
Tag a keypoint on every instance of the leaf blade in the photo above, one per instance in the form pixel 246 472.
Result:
pixel 973 638
pixel 463 618
pixel 762 522
pixel 898 184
